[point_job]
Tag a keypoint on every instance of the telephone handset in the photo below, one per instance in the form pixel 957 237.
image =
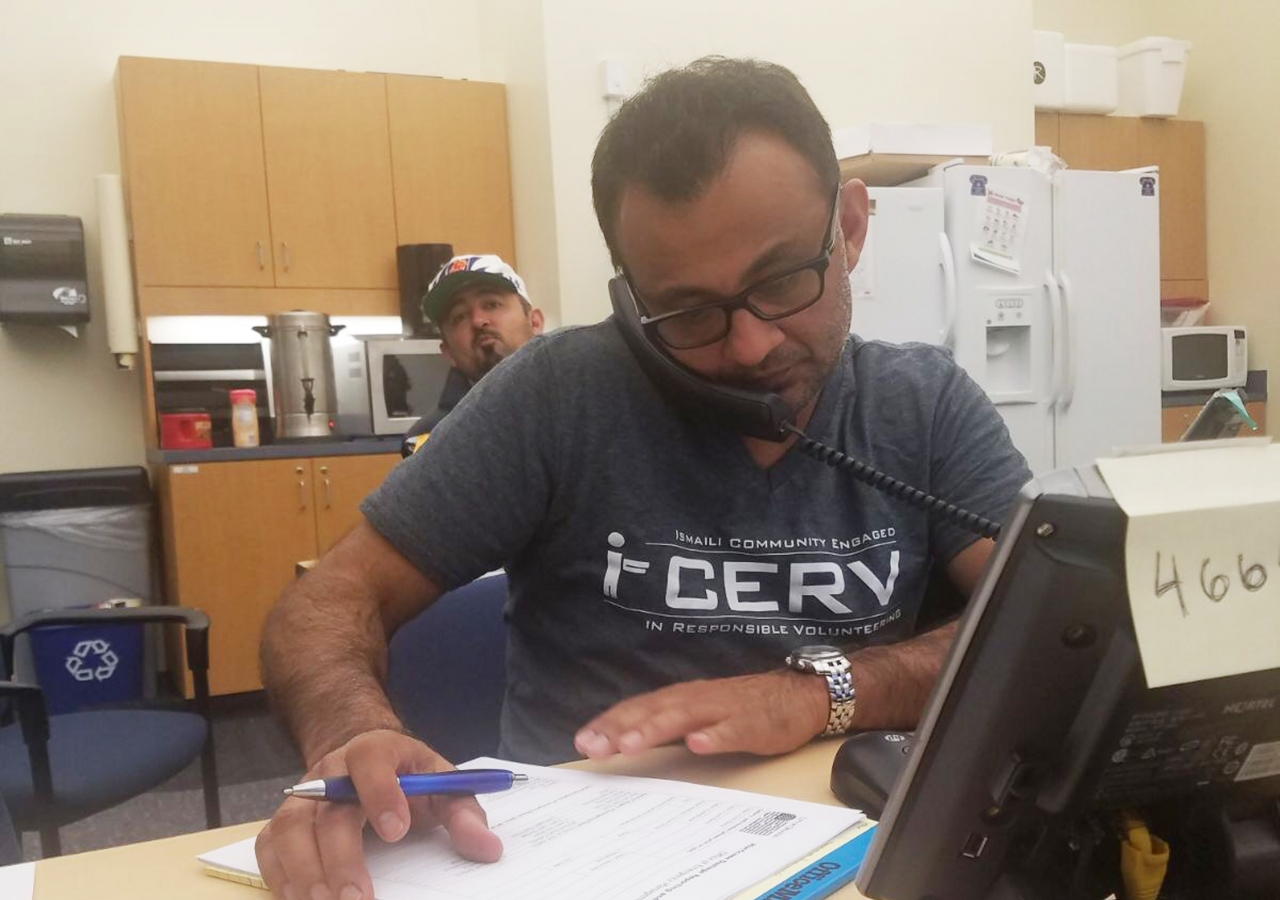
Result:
pixel 759 415
pixel 756 415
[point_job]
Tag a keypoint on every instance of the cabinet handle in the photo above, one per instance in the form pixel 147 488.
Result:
pixel 284 247
pixel 262 260
pixel 302 489
pixel 327 501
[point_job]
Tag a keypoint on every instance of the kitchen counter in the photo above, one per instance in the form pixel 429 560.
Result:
pixel 336 447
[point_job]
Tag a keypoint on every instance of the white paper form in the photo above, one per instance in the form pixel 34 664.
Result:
pixel 1202 559
pixel 574 835
pixel 1001 227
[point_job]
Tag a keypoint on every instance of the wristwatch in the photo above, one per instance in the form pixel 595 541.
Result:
pixel 831 664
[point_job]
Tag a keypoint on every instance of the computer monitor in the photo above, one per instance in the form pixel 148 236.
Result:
pixel 1042 728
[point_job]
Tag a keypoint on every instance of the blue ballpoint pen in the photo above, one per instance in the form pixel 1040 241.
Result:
pixel 457 781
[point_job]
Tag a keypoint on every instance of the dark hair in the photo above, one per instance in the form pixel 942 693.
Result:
pixel 675 136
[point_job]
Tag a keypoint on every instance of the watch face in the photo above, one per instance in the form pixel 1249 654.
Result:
pixel 804 658
pixel 815 652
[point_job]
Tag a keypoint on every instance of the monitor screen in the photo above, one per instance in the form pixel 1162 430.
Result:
pixel 1042 731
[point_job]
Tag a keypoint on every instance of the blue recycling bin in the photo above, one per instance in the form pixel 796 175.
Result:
pixel 82 666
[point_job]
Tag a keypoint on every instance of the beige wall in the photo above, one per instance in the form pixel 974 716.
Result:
pixel 1233 86
pixel 62 402
pixel 862 60
pixel 514 53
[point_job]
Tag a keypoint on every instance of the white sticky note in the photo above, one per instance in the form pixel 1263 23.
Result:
pixel 1202 558
pixel 18 882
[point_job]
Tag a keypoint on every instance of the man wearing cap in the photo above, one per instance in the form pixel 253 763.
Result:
pixel 484 314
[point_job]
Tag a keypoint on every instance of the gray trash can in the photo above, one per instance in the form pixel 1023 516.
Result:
pixel 76 538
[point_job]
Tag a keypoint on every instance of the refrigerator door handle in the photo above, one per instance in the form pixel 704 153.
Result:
pixel 1056 363
pixel 948 291
pixel 1068 343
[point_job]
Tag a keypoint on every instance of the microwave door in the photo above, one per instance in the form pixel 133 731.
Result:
pixel 404 388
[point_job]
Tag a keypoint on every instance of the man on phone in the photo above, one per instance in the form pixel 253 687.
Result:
pixel 670 576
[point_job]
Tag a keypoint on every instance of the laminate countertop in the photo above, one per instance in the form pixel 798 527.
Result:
pixel 1255 389
pixel 300 450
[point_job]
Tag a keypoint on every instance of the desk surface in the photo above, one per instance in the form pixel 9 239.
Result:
pixel 161 870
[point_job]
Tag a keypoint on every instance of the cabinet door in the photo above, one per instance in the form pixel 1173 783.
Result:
pixel 329 178
pixel 341 482
pixel 192 144
pixel 451 164
pixel 233 533
pixel 1100 143
pixel 1178 148
pixel 1047 130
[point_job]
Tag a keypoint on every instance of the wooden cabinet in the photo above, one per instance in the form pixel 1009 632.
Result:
pixel 1106 143
pixel 341 482
pixel 254 190
pixel 233 532
pixel 451 164
pixel 1178 148
pixel 1111 143
pixel 329 178
pixel 192 149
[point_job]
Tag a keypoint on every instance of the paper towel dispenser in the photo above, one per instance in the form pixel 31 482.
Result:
pixel 42 270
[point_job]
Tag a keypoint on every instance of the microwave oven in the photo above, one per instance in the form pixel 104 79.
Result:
pixel 1204 357
pixel 385 383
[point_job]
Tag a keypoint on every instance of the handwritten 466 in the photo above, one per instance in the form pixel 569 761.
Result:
pixel 1215 585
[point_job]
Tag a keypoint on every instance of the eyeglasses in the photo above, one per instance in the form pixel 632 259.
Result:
pixel 774 298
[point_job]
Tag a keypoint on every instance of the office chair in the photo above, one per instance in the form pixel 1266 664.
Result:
pixel 446 670
pixel 78 763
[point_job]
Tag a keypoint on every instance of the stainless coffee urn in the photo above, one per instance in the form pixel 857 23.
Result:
pixel 301 374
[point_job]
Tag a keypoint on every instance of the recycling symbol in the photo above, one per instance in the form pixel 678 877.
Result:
pixel 92 660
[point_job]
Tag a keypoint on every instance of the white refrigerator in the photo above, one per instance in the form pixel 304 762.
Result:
pixel 903 285
pixel 1055 287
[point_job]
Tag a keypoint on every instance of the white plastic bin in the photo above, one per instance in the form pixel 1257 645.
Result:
pixel 1090 82
pixel 1048 60
pixel 1151 75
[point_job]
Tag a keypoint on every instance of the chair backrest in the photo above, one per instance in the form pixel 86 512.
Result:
pixel 83 654
pixel 129 769
pixel 446 670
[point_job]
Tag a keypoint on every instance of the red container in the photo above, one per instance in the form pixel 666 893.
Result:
pixel 185 431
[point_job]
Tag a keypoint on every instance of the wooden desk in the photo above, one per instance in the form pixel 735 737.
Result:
pixel 165 869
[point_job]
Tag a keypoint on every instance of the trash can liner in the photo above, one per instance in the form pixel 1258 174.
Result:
pixel 119 528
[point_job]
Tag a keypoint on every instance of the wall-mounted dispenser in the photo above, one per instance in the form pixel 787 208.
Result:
pixel 42 271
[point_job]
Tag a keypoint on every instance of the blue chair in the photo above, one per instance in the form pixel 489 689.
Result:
pixel 446 670
pixel 79 763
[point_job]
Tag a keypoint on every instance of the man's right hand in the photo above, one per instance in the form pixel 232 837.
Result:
pixel 313 850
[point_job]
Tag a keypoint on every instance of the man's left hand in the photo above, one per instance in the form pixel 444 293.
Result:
pixel 766 714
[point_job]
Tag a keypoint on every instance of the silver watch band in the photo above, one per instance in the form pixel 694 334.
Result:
pixel 841 691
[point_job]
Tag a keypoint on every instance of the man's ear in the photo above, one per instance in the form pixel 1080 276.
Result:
pixel 537 320
pixel 855 212
pixel 444 351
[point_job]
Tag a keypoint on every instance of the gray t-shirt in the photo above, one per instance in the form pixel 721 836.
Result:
pixel 644 548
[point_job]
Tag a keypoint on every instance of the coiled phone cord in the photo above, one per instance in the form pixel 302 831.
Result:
pixel 887 484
